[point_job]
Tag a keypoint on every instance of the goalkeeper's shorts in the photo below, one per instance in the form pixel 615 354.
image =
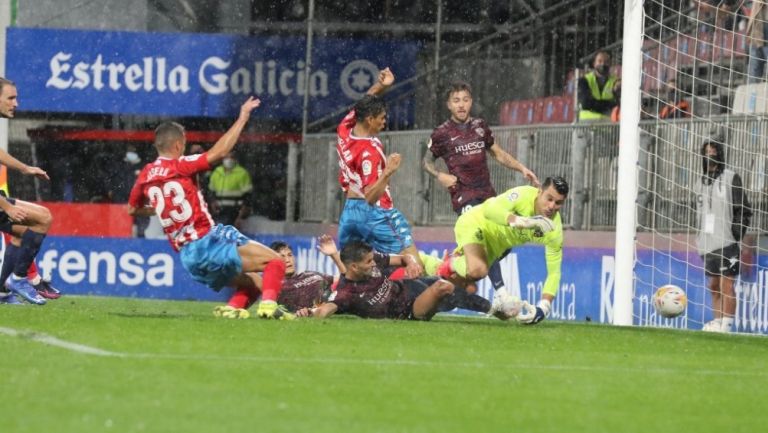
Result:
pixel 213 259
pixel 386 230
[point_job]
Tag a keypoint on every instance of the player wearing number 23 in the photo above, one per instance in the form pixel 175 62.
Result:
pixel 214 255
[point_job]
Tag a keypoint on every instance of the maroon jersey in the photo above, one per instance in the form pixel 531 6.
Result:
pixel 170 186
pixel 305 290
pixel 377 297
pixel 361 161
pixel 463 147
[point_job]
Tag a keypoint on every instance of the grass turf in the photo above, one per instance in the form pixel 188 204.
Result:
pixel 176 368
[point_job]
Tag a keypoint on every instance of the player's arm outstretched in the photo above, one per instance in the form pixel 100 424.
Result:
pixel 227 141
pixel 327 246
pixel 320 312
pixel 384 80
pixel 510 161
pixel 503 210
pixel 13 163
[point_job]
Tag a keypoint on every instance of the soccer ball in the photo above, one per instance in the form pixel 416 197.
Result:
pixel 505 306
pixel 670 301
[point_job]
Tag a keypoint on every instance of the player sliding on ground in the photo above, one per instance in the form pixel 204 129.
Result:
pixel 520 215
pixel 368 291
pixel 217 255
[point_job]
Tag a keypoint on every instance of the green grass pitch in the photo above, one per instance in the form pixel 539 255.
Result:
pixel 83 364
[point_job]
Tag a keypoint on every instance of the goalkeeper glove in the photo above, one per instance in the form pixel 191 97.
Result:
pixel 538 222
pixel 532 315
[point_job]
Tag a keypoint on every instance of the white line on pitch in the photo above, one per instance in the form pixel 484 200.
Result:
pixel 89 350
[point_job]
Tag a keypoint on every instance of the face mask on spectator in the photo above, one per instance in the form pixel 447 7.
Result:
pixel 603 69
pixel 132 157
pixel 228 163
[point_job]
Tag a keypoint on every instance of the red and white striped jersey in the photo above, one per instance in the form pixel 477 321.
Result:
pixel 361 161
pixel 170 187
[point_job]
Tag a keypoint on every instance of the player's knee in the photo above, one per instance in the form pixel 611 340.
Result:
pixel 46 218
pixel 443 288
pixel 477 271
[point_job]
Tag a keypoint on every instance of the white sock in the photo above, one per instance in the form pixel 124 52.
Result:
pixel 16 277
pixel 35 281
pixel 727 324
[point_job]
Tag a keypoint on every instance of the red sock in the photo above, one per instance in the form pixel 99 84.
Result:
pixel 272 279
pixel 398 274
pixel 241 299
pixel 32 272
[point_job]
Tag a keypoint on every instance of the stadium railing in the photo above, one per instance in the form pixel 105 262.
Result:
pixel 585 154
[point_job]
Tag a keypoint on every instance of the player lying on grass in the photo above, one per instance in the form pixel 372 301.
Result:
pixel 521 215
pixel 367 291
pixel 308 289
pixel 214 255
pixel 305 289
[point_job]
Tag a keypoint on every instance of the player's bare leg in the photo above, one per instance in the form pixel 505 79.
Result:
pixel 425 305
pixel 728 302
pixel 715 325
pixel 258 257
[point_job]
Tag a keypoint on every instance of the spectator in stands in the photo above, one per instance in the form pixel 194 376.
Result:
pixel 231 186
pixel 757 32
pixel 124 177
pixel 673 105
pixel 710 14
pixel 598 90
pixel 723 213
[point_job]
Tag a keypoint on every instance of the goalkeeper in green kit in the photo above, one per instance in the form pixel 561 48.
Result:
pixel 521 215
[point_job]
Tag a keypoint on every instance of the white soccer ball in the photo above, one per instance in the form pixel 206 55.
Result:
pixel 670 301
pixel 505 306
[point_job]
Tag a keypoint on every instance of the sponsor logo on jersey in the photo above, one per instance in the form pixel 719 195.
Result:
pixel 470 147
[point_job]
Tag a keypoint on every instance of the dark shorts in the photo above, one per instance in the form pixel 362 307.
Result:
pixel 459 299
pixel 724 261
pixel 6 225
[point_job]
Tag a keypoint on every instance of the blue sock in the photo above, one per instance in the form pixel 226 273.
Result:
pixel 10 258
pixel 30 245
pixel 494 272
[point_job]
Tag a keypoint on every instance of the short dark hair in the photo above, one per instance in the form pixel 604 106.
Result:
pixel 354 251
pixel 457 86
pixel 559 182
pixel 370 105
pixel 594 58
pixel 279 245
pixel 166 133
pixel 6 82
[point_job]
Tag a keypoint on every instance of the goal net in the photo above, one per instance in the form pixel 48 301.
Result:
pixel 700 84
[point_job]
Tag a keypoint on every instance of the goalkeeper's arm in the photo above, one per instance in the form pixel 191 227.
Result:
pixel 532 315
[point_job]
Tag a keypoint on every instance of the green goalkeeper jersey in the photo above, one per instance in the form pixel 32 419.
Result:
pixel 486 224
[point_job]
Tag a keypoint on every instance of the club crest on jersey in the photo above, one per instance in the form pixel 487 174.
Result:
pixel 480 132
pixel 479 235
pixel 367 168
